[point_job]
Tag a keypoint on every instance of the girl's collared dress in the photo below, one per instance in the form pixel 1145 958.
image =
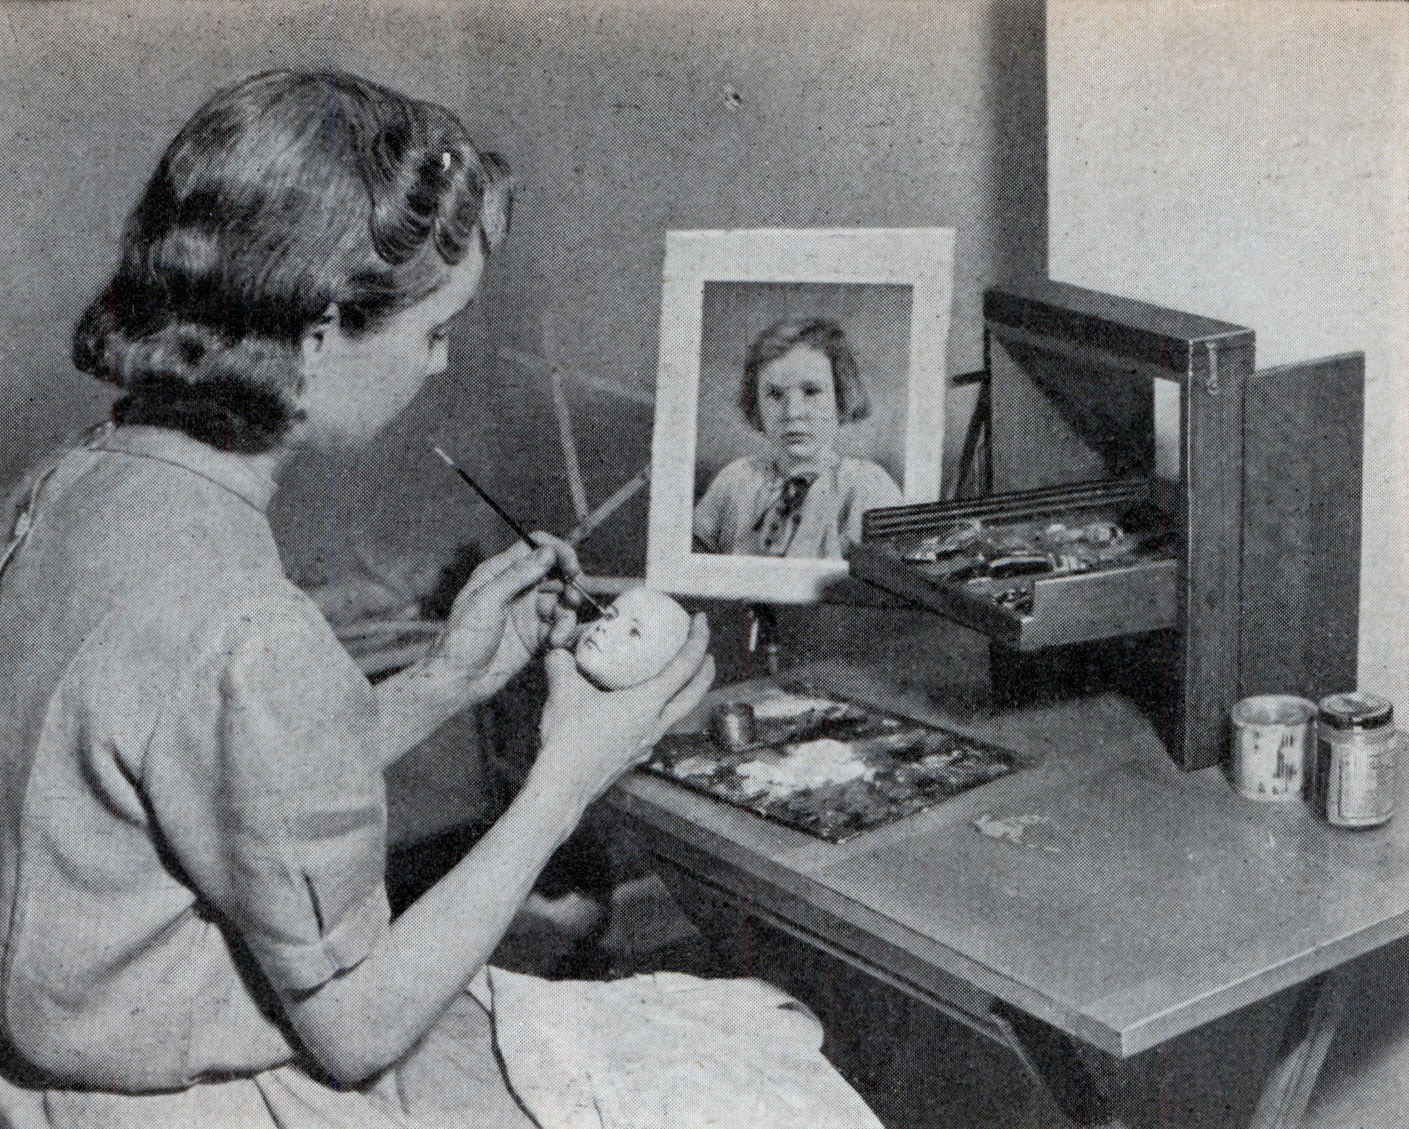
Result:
pixel 751 509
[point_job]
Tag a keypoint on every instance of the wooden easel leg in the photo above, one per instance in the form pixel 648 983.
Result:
pixel 1052 1060
pixel 1287 1092
pixel 976 440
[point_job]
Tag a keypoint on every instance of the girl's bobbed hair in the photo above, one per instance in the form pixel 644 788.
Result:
pixel 284 195
pixel 827 338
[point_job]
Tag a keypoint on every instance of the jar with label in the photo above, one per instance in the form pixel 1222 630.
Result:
pixel 1355 777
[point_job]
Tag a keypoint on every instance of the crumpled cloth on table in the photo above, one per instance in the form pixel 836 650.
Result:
pixel 665 1051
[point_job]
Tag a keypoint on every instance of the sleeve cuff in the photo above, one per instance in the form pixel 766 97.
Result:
pixel 297 967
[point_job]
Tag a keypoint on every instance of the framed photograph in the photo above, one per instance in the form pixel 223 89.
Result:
pixel 801 383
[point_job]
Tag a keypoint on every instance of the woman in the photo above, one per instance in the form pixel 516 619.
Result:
pixel 192 817
pixel 801 498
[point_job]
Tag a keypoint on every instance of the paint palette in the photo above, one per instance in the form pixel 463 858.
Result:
pixel 832 766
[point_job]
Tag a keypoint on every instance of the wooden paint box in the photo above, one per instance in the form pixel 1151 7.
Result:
pixel 1098 404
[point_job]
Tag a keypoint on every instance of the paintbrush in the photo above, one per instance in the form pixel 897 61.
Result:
pixel 509 521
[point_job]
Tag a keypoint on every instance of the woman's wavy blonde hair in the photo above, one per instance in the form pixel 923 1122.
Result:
pixel 284 195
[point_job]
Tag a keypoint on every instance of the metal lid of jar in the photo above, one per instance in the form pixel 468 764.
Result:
pixel 1355 711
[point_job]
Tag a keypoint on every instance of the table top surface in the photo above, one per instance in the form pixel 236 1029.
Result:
pixel 1140 902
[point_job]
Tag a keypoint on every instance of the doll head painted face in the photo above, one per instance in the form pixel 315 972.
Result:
pixel 633 641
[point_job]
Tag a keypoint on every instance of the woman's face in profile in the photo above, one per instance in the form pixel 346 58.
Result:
pixel 355 386
pixel 797 402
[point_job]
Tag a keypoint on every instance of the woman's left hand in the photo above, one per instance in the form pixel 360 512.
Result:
pixel 509 610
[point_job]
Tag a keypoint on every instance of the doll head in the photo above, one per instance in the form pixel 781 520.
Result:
pixel 286 196
pixel 633 641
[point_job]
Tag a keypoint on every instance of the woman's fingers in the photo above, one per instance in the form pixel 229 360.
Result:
pixel 690 695
pixel 685 699
pixel 488 569
pixel 565 562
pixel 564 559
pixel 560 668
pixel 563 632
pixel 516 578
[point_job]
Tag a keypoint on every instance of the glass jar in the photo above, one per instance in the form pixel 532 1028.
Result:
pixel 1356 774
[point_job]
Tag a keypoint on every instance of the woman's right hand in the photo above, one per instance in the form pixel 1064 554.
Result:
pixel 508 610
pixel 591 736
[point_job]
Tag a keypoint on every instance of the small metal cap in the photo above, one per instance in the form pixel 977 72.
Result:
pixel 1355 711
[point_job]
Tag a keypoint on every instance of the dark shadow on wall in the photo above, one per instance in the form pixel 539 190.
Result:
pixel 1019 58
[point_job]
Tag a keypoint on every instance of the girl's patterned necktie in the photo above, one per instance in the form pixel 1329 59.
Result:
pixel 779 521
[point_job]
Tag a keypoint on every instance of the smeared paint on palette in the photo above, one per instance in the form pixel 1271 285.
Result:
pixel 832 766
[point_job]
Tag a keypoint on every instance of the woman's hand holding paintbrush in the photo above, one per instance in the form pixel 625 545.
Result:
pixel 523 534
pixel 532 587
pixel 508 611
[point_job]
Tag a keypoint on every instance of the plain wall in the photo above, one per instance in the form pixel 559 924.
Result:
pixel 1250 162
pixel 623 120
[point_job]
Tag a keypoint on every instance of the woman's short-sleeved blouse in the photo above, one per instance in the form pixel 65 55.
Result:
pixel 190 821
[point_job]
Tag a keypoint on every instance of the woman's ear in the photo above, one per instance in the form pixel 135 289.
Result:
pixel 314 347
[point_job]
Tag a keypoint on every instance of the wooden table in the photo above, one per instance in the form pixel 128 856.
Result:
pixel 1147 902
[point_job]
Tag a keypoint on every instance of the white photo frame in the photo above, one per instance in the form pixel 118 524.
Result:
pixel 719 289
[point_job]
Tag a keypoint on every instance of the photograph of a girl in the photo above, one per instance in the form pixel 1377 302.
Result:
pixel 799 497
pixel 800 385
pixel 193 906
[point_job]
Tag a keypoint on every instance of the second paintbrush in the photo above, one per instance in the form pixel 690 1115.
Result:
pixel 508 520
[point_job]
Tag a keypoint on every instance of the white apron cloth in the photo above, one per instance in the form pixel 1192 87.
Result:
pixel 666 1051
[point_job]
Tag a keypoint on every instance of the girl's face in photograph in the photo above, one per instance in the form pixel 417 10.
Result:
pixel 797 402
pixel 355 386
